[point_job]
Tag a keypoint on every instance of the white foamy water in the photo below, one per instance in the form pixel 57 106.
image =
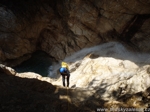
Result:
pixel 113 50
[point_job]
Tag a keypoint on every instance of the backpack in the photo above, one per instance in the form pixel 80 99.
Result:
pixel 63 70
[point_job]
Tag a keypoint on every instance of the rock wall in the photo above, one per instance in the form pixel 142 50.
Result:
pixel 62 27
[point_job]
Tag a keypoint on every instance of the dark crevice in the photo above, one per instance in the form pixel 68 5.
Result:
pixel 102 39
pixel 133 26
pixel 74 40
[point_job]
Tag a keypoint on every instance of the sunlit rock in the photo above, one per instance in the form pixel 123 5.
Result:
pixel 110 69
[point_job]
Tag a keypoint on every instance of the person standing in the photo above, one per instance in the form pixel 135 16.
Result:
pixel 64 71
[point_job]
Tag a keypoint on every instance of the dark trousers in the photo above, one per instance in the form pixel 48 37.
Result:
pixel 63 79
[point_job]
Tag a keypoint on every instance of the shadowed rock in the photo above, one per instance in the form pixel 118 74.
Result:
pixel 61 27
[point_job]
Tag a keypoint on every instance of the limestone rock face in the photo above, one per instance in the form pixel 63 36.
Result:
pixel 62 27
pixel 110 69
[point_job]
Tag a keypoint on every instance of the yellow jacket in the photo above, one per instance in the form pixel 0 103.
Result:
pixel 65 65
